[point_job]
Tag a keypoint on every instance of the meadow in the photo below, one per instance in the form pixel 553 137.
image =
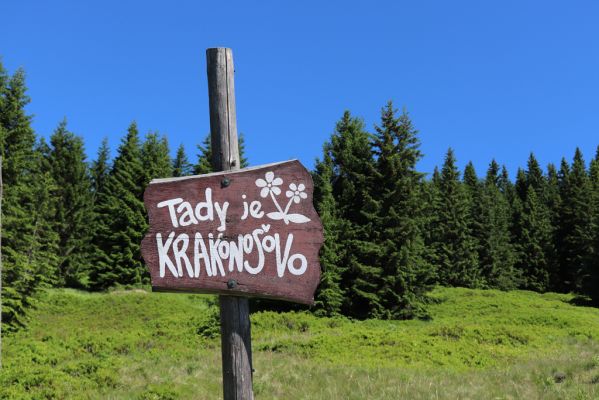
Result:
pixel 478 344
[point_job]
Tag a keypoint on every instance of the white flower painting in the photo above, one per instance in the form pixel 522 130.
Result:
pixel 296 193
pixel 270 185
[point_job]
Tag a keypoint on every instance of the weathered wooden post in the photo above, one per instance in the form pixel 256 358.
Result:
pixel 235 329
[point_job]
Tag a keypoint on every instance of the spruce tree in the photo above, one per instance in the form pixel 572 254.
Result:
pixel 329 296
pixel 471 179
pixel 66 162
pixel 535 244
pixel 353 166
pixel 535 178
pixel 553 202
pixel 495 252
pixel 431 200
pixel 454 245
pixel 397 188
pixel 536 259
pixel 591 284
pixel 100 168
pixel 521 185
pixel 476 206
pixel 574 237
pixel 204 164
pixel 29 244
pixel 121 219
pixel 506 186
pixel 155 158
pixel 181 165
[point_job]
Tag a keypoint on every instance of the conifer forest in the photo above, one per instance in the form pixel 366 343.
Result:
pixel 392 233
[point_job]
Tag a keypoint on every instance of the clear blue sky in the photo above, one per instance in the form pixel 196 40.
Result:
pixel 490 79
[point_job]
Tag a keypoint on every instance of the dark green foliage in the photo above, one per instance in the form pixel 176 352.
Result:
pixel 455 248
pixel 533 232
pixel 181 165
pixel 353 166
pixel 398 223
pixel 100 168
pixel 506 186
pixel 155 158
pixel 242 158
pixel 65 160
pixel 535 244
pixel 575 232
pixel 204 165
pixel 121 219
pixel 534 176
pixel 471 180
pixel 329 296
pixel 591 283
pixel 495 252
pixel 29 243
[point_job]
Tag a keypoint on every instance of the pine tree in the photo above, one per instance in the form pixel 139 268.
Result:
pixel 506 186
pixel 535 177
pixel 495 252
pixel 553 202
pixel 535 244
pixel 100 168
pixel 121 219
pixel 353 166
pixel 243 161
pixel 155 158
pixel 431 201
pixel 454 245
pixel 591 284
pixel 204 165
pixel 574 237
pixel 29 244
pixel 72 195
pixel 329 296
pixel 536 258
pixel 521 185
pixel 471 179
pixel 474 192
pixel 397 187
pixel 181 165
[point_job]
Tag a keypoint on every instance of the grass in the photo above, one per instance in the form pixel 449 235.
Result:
pixel 480 344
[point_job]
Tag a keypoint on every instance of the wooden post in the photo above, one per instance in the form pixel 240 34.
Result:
pixel 235 328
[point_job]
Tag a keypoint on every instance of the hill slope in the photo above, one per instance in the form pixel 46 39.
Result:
pixel 479 344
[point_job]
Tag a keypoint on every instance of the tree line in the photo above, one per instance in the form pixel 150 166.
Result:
pixel 391 233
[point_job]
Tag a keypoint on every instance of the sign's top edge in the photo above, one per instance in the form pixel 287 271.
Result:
pixel 182 178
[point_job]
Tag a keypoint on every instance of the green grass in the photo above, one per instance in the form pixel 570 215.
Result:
pixel 138 345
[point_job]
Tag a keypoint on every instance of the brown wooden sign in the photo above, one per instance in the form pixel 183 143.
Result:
pixel 251 232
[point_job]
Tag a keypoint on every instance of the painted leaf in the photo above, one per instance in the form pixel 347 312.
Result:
pixel 275 215
pixel 298 218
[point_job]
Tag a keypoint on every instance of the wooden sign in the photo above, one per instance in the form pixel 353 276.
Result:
pixel 250 232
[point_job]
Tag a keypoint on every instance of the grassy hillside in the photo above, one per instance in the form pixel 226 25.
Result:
pixel 139 345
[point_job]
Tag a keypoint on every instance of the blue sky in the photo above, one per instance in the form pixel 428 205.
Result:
pixel 490 79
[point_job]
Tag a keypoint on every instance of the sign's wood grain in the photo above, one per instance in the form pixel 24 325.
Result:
pixel 251 232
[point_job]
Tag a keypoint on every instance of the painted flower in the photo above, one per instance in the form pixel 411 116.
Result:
pixel 297 192
pixel 271 184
